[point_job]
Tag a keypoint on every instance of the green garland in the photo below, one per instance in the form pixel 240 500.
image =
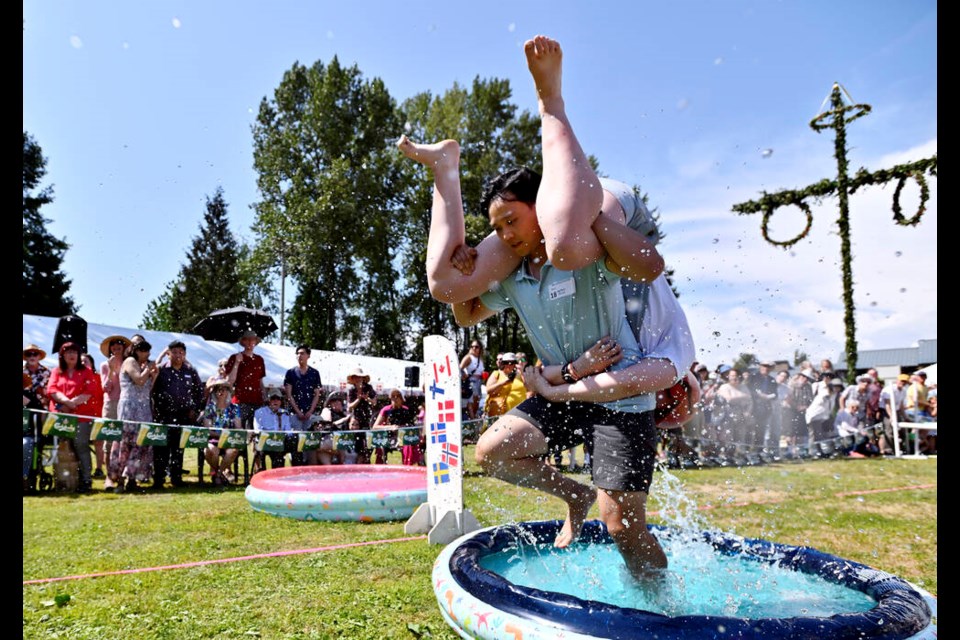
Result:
pixel 837 118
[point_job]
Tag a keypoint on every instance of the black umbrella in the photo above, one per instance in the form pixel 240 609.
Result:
pixel 227 325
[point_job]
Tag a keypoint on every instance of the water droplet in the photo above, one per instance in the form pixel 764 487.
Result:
pixel 898 253
pixel 76 42
pixel 716 334
pixel 176 22
pixel 716 240
pixel 903 289
pixel 766 153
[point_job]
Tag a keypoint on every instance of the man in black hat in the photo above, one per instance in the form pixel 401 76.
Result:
pixel 177 400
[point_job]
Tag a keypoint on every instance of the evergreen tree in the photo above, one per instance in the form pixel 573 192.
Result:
pixel 217 275
pixel 45 285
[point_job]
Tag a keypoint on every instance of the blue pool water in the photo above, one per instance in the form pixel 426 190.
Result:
pixel 699 581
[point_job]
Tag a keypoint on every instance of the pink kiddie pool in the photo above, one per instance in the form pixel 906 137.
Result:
pixel 365 493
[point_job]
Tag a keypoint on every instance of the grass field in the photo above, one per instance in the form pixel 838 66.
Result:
pixel 881 512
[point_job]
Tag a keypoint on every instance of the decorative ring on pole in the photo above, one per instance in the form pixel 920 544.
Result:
pixel 820 122
pixel 898 216
pixel 768 210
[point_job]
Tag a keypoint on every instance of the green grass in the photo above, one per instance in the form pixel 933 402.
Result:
pixel 384 591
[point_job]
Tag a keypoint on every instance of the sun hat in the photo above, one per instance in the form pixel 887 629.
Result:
pixel 358 373
pixel 509 357
pixel 808 374
pixel 903 377
pixel 250 333
pixel 105 345
pixel 33 347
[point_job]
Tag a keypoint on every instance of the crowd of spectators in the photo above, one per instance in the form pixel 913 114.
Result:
pixel 235 406
pixel 751 415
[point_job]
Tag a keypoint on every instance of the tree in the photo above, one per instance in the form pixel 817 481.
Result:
pixel 329 191
pixel 799 357
pixel 45 285
pixel 215 276
pixel 493 138
pixel 745 361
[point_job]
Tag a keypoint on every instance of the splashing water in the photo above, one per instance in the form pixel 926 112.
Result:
pixel 698 581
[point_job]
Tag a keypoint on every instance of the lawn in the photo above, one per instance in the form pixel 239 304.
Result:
pixel 881 512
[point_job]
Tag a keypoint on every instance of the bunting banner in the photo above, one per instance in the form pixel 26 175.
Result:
pixel 380 439
pixel 60 425
pixel 194 438
pixel 107 430
pixel 270 441
pixel 346 442
pixel 308 441
pixel 26 422
pixel 152 435
pixel 233 439
pixel 410 435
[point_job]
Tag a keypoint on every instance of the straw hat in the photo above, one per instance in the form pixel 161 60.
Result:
pixel 250 333
pixel 33 347
pixel 105 345
pixel 358 373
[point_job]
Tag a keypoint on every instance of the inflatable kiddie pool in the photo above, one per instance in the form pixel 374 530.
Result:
pixel 365 493
pixel 478 602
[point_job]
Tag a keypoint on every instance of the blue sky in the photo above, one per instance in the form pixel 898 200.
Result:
pixel 143 109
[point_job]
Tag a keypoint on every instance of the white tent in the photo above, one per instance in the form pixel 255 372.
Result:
pixel 385 373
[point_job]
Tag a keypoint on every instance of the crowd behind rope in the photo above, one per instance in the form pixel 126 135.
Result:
pixel 743 416
pixel 235 407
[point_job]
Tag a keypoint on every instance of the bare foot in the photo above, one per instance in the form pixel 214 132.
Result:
pixel 577 510
pixel 544 59
pixel 445 153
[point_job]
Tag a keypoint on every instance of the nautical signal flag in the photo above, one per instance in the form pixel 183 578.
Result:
pixel 449 453
pixel 441 473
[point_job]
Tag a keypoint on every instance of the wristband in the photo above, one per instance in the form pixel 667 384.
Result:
pixel 568 376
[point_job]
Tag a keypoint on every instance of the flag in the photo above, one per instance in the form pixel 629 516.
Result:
pixel 308 441
pixel 445 411
pixel 449 454
pixel 152 435
pixel 194 438
pixel 62 426
pixel 438 432
pixel 441 473
pixel 107 430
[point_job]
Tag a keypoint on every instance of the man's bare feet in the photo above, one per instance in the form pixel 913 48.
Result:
pixel 577 509
pixel 544 59
pixel 443 154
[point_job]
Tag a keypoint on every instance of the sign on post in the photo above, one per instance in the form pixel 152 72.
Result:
pixel 442 517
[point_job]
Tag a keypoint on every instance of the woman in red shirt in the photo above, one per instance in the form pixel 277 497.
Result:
pixel 71 389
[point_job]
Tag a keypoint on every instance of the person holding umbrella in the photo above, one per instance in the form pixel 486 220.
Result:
pixel 246 370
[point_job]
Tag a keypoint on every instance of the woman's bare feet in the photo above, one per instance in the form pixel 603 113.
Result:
pixel 544 59
pixel 577 509
pixel 443 154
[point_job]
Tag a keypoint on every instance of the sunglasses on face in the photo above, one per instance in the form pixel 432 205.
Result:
pixel 31 354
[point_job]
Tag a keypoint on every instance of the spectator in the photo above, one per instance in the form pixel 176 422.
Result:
pixel 272 417
pixel 70 389
pixel 855 435
pixel 861 393
pixel 764 398
pixel 736 410
pixel 332 417
pixel 893 400
pixel 221 374
pixel 246 371
pixel 113 349
pixel 917 402
pixel 96 402
pixel 177 400
pixel 36 397
pixel 505 387
pixel 822 411
pixel 131 463
pixel 799 397
pixel 360 401
pixel 220 413
pixel 303 389
pixel 396 414
pixel 873 398
pixel 471 371
pixel 771 437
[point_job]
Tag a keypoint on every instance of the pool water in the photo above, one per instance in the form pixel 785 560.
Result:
pixel 698 581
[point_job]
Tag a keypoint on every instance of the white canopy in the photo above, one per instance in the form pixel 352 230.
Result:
pixel 931 372
pixel 385 373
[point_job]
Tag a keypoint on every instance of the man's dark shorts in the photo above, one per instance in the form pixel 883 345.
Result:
pixel 623 445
